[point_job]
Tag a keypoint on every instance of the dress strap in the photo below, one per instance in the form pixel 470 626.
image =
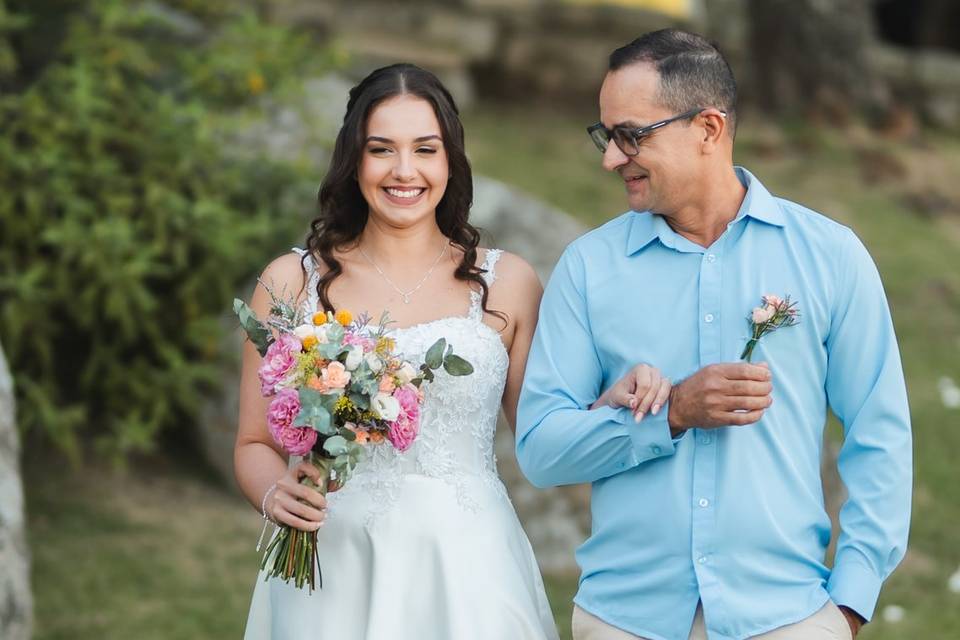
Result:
pixel 313 278
pixel 490 276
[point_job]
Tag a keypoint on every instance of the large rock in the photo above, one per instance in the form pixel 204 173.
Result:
pixel 16 603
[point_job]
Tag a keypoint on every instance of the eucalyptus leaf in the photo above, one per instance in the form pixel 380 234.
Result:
pixel 336 445
pixel 457 366
pixel 434 357
pixel 258 334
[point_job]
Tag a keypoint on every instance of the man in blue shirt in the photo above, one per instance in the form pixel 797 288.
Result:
pixel 708 513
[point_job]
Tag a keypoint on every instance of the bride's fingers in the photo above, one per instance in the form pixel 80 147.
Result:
pixel 663 394
pixel 297 508
pixel 283 516
pixel 310 496
pixel 305 469
pixel 647 394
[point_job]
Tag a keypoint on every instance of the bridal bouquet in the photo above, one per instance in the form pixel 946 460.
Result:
pixel 337 385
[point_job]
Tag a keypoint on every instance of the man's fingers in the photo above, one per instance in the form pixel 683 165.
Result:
pixel 750 403
pixel 748 388
pixel 745 371
pixel 739 419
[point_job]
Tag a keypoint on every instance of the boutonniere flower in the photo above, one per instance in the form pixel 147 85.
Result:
pixel 774 312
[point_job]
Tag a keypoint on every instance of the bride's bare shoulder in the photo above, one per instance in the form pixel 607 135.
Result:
pixel 512 272
pixel 285 272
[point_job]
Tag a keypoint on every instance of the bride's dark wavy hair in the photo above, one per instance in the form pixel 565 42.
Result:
pixel 343 210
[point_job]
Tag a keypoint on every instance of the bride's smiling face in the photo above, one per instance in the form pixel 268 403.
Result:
pixel 403 168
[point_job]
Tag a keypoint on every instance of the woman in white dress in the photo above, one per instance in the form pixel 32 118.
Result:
pixel 423 545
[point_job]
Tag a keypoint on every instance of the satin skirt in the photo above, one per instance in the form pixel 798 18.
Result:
pixel 426 569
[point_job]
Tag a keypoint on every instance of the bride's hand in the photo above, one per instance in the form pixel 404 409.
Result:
pixel 298 505
pixel 642 389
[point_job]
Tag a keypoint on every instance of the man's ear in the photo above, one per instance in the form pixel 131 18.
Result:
pixel 714 129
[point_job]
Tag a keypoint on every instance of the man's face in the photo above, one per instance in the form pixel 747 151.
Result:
pixel 668 158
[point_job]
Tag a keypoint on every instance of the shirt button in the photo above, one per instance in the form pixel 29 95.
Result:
pixel 702 559
pixel 656 449
pixel 705 440
pixel 711 258
pixel 704 502
pixel 708 318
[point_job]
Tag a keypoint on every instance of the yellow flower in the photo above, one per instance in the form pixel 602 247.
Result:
pixel 385 346
pixel 255 83
pixel 344 317
pixel 310 342
pixel 319 318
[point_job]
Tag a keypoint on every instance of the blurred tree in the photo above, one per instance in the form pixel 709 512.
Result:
pixel 811 57
pixel 125 230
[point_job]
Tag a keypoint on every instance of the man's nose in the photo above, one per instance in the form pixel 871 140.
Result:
pixel 613 157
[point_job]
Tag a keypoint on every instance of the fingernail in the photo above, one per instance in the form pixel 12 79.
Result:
pixel 655 410
pixel 638 417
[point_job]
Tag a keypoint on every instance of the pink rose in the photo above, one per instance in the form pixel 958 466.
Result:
pixel 387 385
pixel 773 300
pixel 403 431
pixel 364 342
pixel 763 314
pixel 283 411
pixel 335 376
pixel 280 359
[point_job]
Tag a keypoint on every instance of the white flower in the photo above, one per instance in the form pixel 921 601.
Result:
pixel 374 362
pixel 954 582
pixel 385 407
pixel 321 333
pixel 892 613
pixel 949 393
pixel 303 331
pixel 354 357
pixel 406 373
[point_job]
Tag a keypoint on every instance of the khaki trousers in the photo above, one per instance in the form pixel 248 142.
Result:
pixel 826 624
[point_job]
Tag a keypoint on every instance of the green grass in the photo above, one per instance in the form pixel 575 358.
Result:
pixel 166 553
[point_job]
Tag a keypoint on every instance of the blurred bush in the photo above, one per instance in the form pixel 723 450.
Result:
pixel 125 226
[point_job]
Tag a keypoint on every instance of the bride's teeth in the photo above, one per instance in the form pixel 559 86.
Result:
pixel 404 194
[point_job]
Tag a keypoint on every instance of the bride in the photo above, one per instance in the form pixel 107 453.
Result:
pixel 424 544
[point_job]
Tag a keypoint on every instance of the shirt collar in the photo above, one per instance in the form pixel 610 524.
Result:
pixel 758 203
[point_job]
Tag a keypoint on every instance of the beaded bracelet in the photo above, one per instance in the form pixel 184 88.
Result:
pixel 266 519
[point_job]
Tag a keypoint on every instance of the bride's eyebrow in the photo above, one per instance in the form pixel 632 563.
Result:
pixel 432 136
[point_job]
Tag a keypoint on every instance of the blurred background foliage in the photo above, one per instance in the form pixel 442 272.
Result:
pixel 126 225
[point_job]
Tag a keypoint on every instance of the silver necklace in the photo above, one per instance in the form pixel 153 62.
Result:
pixel 405 295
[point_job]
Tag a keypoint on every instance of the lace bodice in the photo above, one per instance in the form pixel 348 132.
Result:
pixel 459 418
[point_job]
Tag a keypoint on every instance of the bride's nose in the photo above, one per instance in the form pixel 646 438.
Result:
pixel 403 168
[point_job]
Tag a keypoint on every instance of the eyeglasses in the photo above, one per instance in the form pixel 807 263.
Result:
pixel 628 138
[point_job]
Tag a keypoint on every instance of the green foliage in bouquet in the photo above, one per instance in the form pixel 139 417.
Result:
pixel 125 229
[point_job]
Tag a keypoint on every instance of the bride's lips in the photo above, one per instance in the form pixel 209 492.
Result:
pixel 404 196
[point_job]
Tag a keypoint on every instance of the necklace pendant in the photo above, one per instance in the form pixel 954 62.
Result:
pixel 406 298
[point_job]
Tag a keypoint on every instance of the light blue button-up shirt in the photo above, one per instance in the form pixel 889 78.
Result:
pixel 731 516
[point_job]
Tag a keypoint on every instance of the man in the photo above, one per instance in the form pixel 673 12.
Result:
pixel 708 516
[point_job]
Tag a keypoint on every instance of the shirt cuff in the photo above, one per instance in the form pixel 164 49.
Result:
pixel 651 436
pixel 853 585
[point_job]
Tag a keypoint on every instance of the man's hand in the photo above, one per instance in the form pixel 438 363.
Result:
pixel 643 389
pixel 721 395
pixel 853 619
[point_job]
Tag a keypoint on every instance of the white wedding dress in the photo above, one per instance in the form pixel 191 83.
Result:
pixel 425 544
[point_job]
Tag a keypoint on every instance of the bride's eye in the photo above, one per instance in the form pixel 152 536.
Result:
pixel 426 150
pixel 378 150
